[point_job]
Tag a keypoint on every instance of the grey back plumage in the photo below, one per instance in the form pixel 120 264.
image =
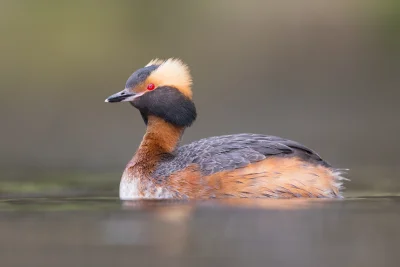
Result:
pixel 228 152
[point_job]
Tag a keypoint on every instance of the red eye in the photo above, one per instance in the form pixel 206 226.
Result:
pixel 151 86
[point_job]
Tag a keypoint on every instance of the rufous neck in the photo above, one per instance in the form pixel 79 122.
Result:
pixel 161 138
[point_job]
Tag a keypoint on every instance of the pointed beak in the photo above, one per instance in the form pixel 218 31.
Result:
pixel 123 96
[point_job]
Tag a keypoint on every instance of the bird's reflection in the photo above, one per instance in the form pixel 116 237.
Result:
pixel 164 206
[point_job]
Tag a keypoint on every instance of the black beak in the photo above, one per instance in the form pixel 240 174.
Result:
pixel 124 95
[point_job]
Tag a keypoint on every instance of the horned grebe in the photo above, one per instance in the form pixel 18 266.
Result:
pixel 237 166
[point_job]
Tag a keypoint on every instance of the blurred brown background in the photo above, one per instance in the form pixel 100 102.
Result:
pixel 324 73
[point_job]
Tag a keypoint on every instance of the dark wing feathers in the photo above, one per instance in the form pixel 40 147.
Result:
pixel 233 159
pixel 229 152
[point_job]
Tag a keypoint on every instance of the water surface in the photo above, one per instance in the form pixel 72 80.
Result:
pixel 106 232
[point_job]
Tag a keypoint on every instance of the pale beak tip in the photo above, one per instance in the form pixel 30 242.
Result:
pixel 106 100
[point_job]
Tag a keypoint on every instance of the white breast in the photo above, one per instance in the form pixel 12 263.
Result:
pixel 129 190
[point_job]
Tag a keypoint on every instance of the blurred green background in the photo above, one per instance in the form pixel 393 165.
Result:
pixel 324 73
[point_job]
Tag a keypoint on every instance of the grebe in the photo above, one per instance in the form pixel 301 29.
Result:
pixel 230 166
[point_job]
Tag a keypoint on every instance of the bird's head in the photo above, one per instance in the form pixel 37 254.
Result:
pixel 162 89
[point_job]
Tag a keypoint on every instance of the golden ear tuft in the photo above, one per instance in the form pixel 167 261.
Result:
pixel 155 61
pixel 172 72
